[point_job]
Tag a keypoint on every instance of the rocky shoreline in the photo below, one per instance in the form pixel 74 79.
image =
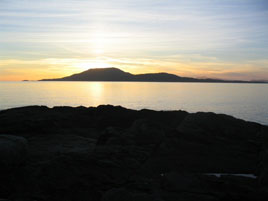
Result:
pixel 110 153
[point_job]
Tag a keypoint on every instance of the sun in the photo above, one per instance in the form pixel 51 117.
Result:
pixel 93 64
pixel 98 51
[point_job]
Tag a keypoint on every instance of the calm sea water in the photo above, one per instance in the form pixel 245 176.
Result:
pixel 246 101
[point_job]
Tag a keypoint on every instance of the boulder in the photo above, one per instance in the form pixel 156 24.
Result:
pixel 145 132
pixel 13 150
pixel 219 143
pixel 118 194
pixel 218 125
pixel 43 147
pixel 177 182
pixel 263 158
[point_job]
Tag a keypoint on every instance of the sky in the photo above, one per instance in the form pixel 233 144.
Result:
pixel 226 39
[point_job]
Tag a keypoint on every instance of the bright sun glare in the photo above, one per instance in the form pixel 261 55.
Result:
pixel 88 65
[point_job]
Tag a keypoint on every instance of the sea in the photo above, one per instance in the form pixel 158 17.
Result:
pixel 245 101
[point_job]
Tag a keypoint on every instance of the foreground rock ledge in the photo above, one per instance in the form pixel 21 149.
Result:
pixel 111 153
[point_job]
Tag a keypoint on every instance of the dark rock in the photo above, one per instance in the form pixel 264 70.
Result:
pixel 145 132
pixel 13 153
pixel 188 196
pixel 220 143
pixel 174 181
pixel 13 150
pixel 44 147
pixel 117 195
pixel 263 158
pixel 218 125
pixel 112 153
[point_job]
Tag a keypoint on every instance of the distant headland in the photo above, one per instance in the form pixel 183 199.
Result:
pixel 114 74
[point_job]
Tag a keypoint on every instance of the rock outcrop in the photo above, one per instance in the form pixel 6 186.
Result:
pixel 111 153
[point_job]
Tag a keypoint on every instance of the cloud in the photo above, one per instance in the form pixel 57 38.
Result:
pixel 212 38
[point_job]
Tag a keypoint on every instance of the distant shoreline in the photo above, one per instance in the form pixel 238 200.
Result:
pixel 117 75
pixel 224 82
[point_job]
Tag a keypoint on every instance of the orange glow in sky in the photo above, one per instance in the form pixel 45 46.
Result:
pixel 213 39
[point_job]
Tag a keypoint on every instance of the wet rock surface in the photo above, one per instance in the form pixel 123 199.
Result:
pixel 111 153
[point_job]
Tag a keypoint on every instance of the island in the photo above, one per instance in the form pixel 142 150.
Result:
pixel 115 74
pixel 110 153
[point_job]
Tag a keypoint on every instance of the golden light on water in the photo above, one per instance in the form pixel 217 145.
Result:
pixel 96 88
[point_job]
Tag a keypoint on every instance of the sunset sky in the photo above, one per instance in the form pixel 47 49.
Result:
pixel 225 39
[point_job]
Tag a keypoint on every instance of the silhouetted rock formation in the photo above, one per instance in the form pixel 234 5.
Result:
pixel 115 74
pixel 111 153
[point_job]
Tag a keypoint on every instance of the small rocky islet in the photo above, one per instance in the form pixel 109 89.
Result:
pixel 110 153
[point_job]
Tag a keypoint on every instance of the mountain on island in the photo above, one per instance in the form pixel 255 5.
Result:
pixel 115 74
